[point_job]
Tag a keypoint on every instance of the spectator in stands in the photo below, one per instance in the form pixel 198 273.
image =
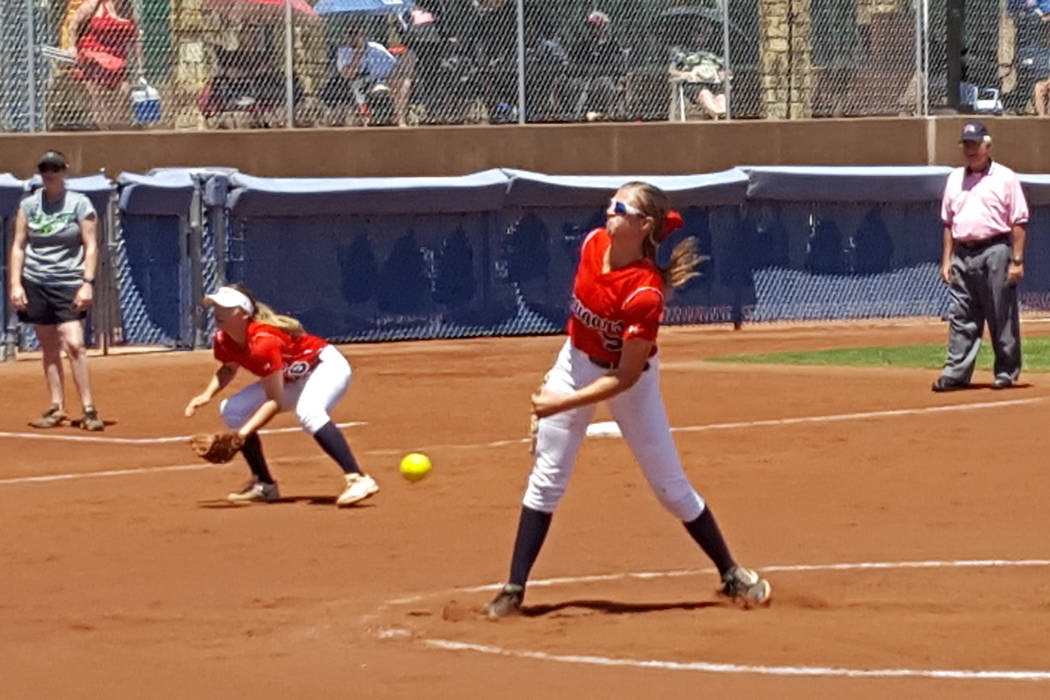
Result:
pixel 248 88
pixel 703 77
pixel 54 258
pixel 106 34
pixel 1032 54
pixel 701 72
pixel 1040 93
pixel 1039 7
pixel 598 61
pixel 437 70
pixel 494 35
pixel 367 74
pixel 478 58
pixel 421 54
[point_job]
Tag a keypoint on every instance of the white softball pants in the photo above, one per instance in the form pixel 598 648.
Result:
pixel 312 397
pixel 642 418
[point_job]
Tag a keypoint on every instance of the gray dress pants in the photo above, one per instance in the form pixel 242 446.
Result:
pixel 980 293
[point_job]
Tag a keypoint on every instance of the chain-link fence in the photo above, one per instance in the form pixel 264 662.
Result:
pixel 209 64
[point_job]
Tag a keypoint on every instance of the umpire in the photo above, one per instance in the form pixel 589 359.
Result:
pixel 985 214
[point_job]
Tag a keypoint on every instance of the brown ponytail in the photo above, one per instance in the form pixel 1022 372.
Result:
pixel 655 204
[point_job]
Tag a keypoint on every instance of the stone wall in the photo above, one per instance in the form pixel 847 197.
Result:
pixel 867 10
pixel 199 31
pixel 192 69
pixel 786 72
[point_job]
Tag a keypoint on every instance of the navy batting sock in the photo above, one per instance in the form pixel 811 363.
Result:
pixel 706 533
pixel 253 453
pixel 331 440
pixel 532 530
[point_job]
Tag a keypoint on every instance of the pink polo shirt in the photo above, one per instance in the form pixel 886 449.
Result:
pixel 983 204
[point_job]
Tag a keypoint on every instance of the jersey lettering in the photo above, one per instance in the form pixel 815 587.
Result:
pixel 612 343
pixel 608 307
pixel 610 330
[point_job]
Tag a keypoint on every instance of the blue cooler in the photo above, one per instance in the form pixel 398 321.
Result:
pixel 145 104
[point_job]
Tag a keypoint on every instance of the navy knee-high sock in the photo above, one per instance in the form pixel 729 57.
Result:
pixel 706 533
pixel 253 454
pixel 532 530
pixel 331 440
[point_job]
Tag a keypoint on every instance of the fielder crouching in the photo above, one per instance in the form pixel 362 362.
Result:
pixel 297 372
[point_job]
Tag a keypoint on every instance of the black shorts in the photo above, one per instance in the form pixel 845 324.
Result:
pixel 49 305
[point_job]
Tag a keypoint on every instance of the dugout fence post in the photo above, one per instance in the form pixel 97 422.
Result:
pixel 10 321
pixel 195 247
pixel 920 67
pixel 30 59
pixel 105 313
pixel 189 274
pixel 289 66
pixel 726 62
pixel 215 187
pixel 520 25
pixel 955 43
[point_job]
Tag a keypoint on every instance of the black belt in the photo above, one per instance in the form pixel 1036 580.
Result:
pixel 984 242
pixel 605 364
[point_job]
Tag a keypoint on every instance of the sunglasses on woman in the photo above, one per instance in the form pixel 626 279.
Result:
pixel 623 208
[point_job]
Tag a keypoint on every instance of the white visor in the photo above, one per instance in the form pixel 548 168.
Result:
pixel 230 298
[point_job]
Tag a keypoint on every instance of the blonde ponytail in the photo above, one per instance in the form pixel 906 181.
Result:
pixel 265 315
pixel 684 259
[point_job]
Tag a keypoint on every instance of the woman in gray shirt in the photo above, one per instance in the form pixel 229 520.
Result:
pixel 53 262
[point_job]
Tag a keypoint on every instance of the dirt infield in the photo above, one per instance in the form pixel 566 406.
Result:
pixel 125 574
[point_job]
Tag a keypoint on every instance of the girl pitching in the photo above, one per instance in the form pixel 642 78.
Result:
pixel 615 312
pixel 296 371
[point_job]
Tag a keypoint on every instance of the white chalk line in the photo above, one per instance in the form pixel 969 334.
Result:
pixel 109 472
pixel 786 568
pixel 609 429
pixel 595 430
pixel 100 439
pixel 709 667
pixel 734 668
pixel 195 466
pixel 857 416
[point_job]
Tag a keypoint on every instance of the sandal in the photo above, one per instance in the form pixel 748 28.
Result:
pixel 53 417
pixel 91 421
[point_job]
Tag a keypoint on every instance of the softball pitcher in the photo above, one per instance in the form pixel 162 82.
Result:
pixel 297 371
pixel 615 313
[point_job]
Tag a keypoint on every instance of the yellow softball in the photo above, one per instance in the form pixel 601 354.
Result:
pixel 415 465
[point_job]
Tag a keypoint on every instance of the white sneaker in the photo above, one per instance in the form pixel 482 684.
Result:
pixel 358 488
pixel 255 491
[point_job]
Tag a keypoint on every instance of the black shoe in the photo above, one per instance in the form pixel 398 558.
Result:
pixel 508 602
pixel 949 384
pixel 1002 383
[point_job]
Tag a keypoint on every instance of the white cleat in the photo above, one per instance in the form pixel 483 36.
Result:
pixel 358 488
pixel 255 492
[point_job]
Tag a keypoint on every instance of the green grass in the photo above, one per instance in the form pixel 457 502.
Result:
pixel 1036 353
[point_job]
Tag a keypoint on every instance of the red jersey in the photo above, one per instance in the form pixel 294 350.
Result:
pixel 270 350
pixel 608 308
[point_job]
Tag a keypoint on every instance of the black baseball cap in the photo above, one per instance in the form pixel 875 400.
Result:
pixel 973 130
pixel 52 160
